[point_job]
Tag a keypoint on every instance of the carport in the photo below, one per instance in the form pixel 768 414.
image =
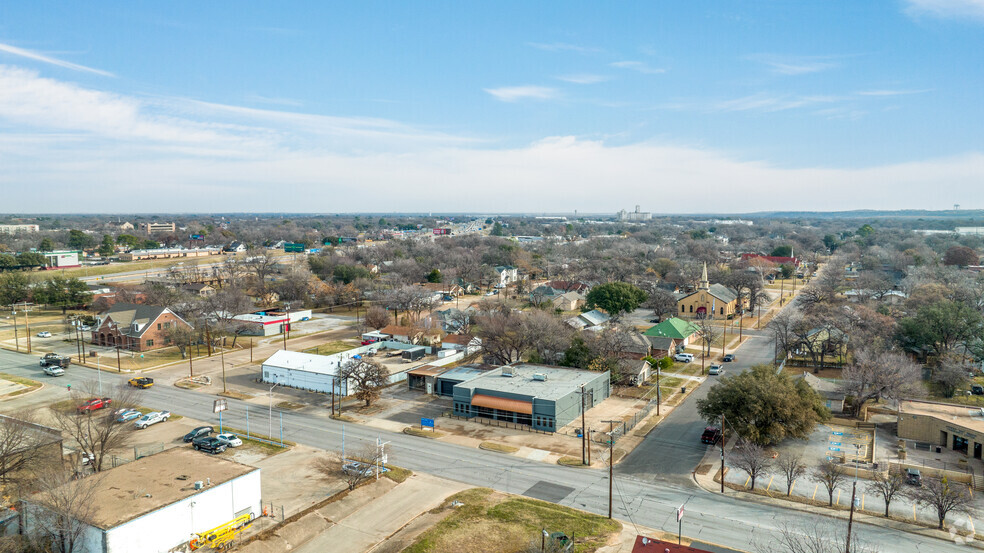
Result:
pixel 424 378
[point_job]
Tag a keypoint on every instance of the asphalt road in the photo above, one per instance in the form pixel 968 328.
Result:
pixel 673 449
pixel 709 517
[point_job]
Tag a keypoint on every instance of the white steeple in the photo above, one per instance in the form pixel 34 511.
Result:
pixel 704 284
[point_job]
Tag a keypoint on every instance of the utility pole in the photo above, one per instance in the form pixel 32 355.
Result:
pixel 191 366
pixel 584 429
pixel 78 347
pixel 741 320
pixel 13 311
pixel 27 324
pixel 119 364
pixel 250 350
pixel 722 453
pixel 611 462
pixel 222 350
pixel 658 398
pixel 854 491
pixel 724 340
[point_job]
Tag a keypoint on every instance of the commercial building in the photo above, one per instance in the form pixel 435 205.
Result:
pixel 540 396
pixel 136 327
pixel 16 229
pixel 155 504
pixel 956 427
pixel 169 253
pixel 269 323
pixel 61 259
pixel 152 228
pixel 445 382
pixel 307 371
pixel 636 215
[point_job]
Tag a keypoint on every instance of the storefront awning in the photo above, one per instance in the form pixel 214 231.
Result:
pixel 502 404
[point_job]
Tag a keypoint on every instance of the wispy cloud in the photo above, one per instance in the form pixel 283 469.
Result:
pixel 528 92
pixel 947 9
pixel 890 92
pixel 583 78
pixel 50 60
pixel 639 66
pixel 794 65
pixel 769 103
pixel 260 99
pixel 563 47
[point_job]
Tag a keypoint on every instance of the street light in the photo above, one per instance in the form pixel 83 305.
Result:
pixel 277 383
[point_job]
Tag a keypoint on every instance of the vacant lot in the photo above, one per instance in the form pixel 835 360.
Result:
pixel 331 348
pixel 509 524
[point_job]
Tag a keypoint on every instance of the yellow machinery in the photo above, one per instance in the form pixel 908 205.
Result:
pixel 218 537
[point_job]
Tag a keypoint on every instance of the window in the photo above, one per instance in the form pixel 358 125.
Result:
pixel 150 343
pixel 158 326
pixel 683 309
pixel 691 308
pixel 167 341
pixel 167 325
pixel 722 311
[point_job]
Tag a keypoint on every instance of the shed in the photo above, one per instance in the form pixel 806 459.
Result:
pixel 414 353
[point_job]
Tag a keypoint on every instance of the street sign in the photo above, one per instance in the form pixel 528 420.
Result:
pixel 680 513
pixel 427 422
pixel 219 405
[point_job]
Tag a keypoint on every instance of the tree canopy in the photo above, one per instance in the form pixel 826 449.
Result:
pixel 764 407
pixel 616 297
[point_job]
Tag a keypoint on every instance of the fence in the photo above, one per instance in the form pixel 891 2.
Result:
pixel 498 423
pixel 143 450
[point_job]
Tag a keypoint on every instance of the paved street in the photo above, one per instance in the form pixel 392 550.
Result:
pixel 638 498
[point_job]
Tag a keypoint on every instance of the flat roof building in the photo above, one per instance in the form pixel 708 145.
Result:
pixel 154 504
pixel 540 396
pixel 956 427
pixel 445 382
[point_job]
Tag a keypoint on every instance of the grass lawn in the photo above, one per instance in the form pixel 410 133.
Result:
pixel 30 384
pixel 261 443
pixel 331 348
pixel 507 524
pixel 501 448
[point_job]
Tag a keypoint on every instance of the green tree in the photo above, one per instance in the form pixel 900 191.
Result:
pixel 786 270
pixel 961 256
pixel 831 242
pixel 149 244
pixel 941 326
pixel 496 229
pixel 698 234
pixel 129 240
pixel 8 260
pixel 347 273
pixel 382 222
pixel 46 245
pixel 435 276
pixel 107 247
pixel 782 251
pixel 578 355
pixel 616 297
pixel 865 231
pixel 31 259
pixel 764 407
pixel 78 240
pixel 62 292
pixel 14 287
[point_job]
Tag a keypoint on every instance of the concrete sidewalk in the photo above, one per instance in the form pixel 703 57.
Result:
pixel 363 529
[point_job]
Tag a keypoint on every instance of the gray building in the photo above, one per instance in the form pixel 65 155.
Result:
pixel 544 397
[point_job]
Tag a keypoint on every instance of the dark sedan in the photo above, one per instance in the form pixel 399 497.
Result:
pixel 198 433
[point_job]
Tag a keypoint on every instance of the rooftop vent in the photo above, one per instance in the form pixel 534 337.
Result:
pixel 540 377
pixel 507 371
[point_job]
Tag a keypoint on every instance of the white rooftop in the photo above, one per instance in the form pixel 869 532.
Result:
pixel 296 360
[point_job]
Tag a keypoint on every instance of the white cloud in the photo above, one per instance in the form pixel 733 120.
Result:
pixel 762 102
pixel 640 66
pixel 583 78
pixel 516 93
pixel 889 92
pixel 794 65
pixel 53 61
pixel 947 9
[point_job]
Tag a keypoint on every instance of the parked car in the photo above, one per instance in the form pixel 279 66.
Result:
pixel 711 435
pixel 56 360
pixel 44 334
pixel 153 417
pixel 94 404
pixel 230 440
pixel 355 468
pixel 126 415
pixel 715 370
pixel 977 390
pixel 209 444
pixel 729 358
pixel 142 382
pixel 54 371
pixel 684 357
pixel 198 433
pixel 912 477
pixel 85 328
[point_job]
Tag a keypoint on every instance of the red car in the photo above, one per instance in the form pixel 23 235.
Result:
pixel 95 404
pixel 711 435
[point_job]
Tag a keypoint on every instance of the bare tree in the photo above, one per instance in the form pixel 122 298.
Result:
pixel 753 459
pixel 707 334
pixel 944 497
pixel 950 376
pixel 367 376
pixel 661 302
pixel 783 327
pixel 503 338
pixel 356 468
pixel 792 468
pixel 888 485
pixel 22 451
pixel 818 537
pixel 58 515
pixel 377 317
pixel 96 432
pixel 826 473
pixel 875 375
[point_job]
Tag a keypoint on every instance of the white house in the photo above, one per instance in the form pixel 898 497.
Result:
pixel 155 504
pixel 507 274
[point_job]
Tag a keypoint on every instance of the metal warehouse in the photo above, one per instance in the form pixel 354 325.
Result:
pixel 546 398
pixel 318 373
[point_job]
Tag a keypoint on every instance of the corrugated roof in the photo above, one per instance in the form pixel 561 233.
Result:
pixel 673 328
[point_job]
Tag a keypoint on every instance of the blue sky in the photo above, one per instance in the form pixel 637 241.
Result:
pixel 491 106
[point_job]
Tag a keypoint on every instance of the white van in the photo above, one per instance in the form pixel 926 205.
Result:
pixel 684 357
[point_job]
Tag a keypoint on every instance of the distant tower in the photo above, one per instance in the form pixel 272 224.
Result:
pixel 637 208
pixel 704 283
pixel 956 207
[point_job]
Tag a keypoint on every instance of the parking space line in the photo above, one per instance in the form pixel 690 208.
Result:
pixel 970 521
pixel 817 487
pixel 838 497
pixel 862 502
pixel 767 488
pixel 913 511
pixel 747 480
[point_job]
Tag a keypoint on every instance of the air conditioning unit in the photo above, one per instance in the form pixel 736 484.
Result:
pixel 507 371
pixel 540 377
pixel 199 484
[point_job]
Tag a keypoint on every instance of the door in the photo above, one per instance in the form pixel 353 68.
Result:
pixel 977 450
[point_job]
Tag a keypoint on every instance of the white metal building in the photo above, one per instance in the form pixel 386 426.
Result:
pixel 307 371
pixel 152 504
pixel 269 323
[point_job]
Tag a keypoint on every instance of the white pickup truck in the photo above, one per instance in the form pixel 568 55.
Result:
pixel 153 417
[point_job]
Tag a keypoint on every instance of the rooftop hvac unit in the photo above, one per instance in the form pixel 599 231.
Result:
pixel 507 371
pixel 199 484
pixel 540 377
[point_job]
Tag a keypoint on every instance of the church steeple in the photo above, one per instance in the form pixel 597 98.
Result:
pixel 704 284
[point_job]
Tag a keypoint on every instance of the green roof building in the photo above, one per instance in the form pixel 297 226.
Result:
pixel 679 330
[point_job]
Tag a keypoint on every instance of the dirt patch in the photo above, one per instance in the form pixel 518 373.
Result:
pixel 290 405
pixel 501 448
pixel 235 395
pixel 432 434
pixel 704 469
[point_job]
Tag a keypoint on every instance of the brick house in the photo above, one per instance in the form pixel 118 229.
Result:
pixel 136 327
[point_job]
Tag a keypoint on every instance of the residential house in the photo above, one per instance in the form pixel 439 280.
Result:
pixel 831 392
pixel 405 334
pixel 451 319
pixel 681 332
pixel 461 342
pixel 569 301
pixel 709 300
pixel 236 247
pixel 593 318
pixel 662 346
pixel 136 327
pixel 198 289
pixel 441 290
pixel 636 346
pixel 635 371
pixel 507 275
